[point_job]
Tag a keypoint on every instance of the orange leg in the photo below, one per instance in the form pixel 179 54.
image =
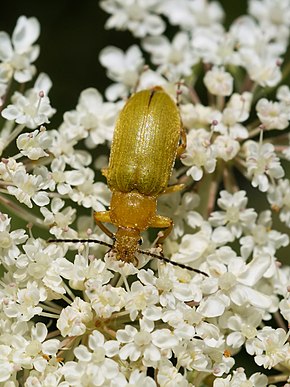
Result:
pixel 103 217
pixel 162 222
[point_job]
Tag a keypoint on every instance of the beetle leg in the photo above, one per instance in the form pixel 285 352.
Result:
pixel 103 217
pixel 173 188
pixel 182 146
pixel 162 222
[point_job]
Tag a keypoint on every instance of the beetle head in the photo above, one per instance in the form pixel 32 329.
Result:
pixel 126 244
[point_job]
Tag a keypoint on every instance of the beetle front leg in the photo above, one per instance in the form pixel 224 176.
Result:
pixel 162 222
pixel 103 217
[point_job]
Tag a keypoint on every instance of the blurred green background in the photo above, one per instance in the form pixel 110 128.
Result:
pixel 72 34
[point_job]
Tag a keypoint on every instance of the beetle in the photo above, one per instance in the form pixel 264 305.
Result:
pixel 148 137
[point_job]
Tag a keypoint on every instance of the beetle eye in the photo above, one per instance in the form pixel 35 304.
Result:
pixel 140 242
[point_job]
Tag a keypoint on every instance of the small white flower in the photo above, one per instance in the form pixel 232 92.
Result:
pixel 94 366
pixel 33 108
pixel 59 220
pixel 270 347
pixel 106 299
pixel 235 216
pixel 75 318
pixel 260 238
pixel 219 82
pixel 28 187
pixel 239 379
pixel 33 144
pixel 194 14
pixel 93 119
pixel 9 241
pixel 123 68
pixel 139 298
pixel 137 16
pixel 174 59
pixel 18 53
pixel 199 154
pixel 262 163
pixel 168 375
pixel 272 114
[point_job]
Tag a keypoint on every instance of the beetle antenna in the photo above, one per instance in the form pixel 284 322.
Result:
pixel 167 260
pixel 80 241
pixel 161 258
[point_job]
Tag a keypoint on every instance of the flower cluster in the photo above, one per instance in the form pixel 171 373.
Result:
pixel 71 314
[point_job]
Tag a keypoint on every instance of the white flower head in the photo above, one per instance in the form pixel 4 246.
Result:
pixel 175 59
pixel 262 164
pixel 17 54
pixel 199 154
pixel 139 17
pixel 272 114
pixel 33 144
pixel 74 319
pixel 219 82
pixel 270 347
pixel 235 216
pixel 122 67
pixel 32 109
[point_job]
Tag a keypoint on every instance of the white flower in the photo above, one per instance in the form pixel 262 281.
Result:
pixel 239 379
pixel 146 342
pixel 106 299
pixel 23 305
pixel 242 325
pixel 9 241
pixel 198 116
pixel 235 216
pixel 33 144
pixel 193 14
pixel 93 366
pixel 169 376
pixel 18 53
pixel 273 16
pixel 174 59
pixel 28 187
pixel 137 16
pixel 272 114
pixel 38 264
pixel 270 347
pixel 58 220
pixel 93 119
pixel 139 298
pixel 199 154
pixel 75 318
pixel 262 162
pixel 219 82
pixel 261 238
pixel 83 269
pixel 90 194
pixel 123 68
pixel 33 108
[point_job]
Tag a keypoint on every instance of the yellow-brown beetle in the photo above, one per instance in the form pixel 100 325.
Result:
pixel 147 138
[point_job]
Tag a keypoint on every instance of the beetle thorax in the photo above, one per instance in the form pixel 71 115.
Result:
pixel 132 210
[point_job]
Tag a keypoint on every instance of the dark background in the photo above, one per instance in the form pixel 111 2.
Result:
pixel 72 34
